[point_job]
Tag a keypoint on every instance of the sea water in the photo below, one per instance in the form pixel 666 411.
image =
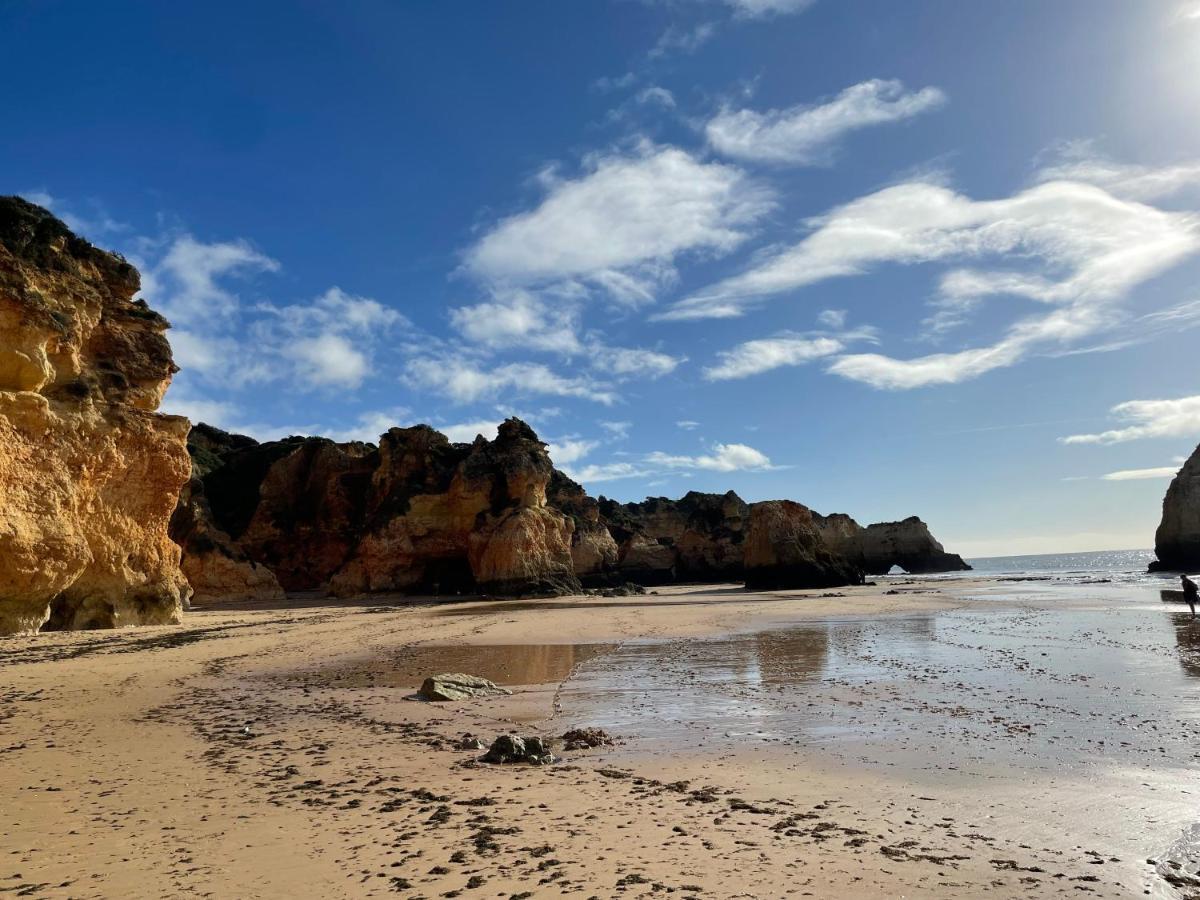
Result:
pixel 1121 566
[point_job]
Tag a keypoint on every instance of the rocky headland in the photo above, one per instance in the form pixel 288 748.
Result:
pixel 419 514
pixel 1177 540
pixel 89 471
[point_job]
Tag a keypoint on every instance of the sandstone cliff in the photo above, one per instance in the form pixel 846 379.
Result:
pixel 1177 540
pixel 216 567
pixel 89 472
pixel 696 538
pixel 877 548
pixel 416 513
pixel 784 548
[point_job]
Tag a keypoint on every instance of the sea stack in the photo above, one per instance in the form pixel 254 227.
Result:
pixel 89 471
pixel 1177 540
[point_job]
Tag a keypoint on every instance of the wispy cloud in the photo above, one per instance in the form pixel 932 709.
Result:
pixel 466 381
pixel 722 458
pixel 1148 419
pixel 807 135
pixel 1093 249
pixel 1081 161
pixel 764 354
pixel 754 9
pixel 788 348
pixel 1141 474
pixel 680 39
pixel 620 226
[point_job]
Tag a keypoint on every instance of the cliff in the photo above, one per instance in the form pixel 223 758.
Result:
pixel 784 548
pixel 89 471
pixel 877 548
pixel 696 538
pixel 216 567
pixel 416 513
pixel 1177 540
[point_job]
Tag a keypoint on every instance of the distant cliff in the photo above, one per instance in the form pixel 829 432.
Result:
pixel 415 514
pixel 1177 540
pixel 418 513
pixel 89 471
pixel 877 548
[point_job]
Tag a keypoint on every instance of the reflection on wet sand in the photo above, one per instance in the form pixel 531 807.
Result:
pixel 1187 642
pixel 506 664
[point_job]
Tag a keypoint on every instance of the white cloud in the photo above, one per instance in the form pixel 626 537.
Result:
pixel 521 319
pixel 1093 247
pixel 656 96
pixel 682 40
pixel 624 362
pixel 753 357
pixel 607 83
pixel 185 279
pixel 759 8
pixel 1080 161
pixel 464 381
pixel 1105 245
pixel 724 458
pixel 832 318
pixel 1140 474
pixel 328 359
pixel 337 311
pixel 566 451
pixel 619 430
pixel 1148 419
pixel 590 474
pixel 198 409
pixel 687 424
pixel 806 135
pixel 621 225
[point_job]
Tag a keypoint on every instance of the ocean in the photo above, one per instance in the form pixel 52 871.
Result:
pixel 1121 566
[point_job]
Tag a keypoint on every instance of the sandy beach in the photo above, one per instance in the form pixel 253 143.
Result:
pixel 910 739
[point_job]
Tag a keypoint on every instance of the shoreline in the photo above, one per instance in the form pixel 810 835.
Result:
pixel 354 790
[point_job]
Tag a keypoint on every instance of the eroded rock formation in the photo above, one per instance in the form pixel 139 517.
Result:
pixel 89 471
pixel 784 548
pixel 416 513
pixel 696 538
pixel 877 548
pixel 1177 540
pixel 216 567
pixel 420 514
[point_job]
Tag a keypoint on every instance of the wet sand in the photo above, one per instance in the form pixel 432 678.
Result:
pixel 959 738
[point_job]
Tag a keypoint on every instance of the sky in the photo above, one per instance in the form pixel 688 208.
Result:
pixel 885 259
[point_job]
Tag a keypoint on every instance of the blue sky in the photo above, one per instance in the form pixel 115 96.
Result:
pixel 881 258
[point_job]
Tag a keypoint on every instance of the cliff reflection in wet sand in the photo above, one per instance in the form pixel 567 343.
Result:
pixel 506 664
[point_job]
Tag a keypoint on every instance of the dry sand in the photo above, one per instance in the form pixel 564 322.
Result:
pixel 275 752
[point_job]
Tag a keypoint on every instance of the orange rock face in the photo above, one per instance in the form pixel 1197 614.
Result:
pixel 417 513
pixel 89 472
pixel 785 549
